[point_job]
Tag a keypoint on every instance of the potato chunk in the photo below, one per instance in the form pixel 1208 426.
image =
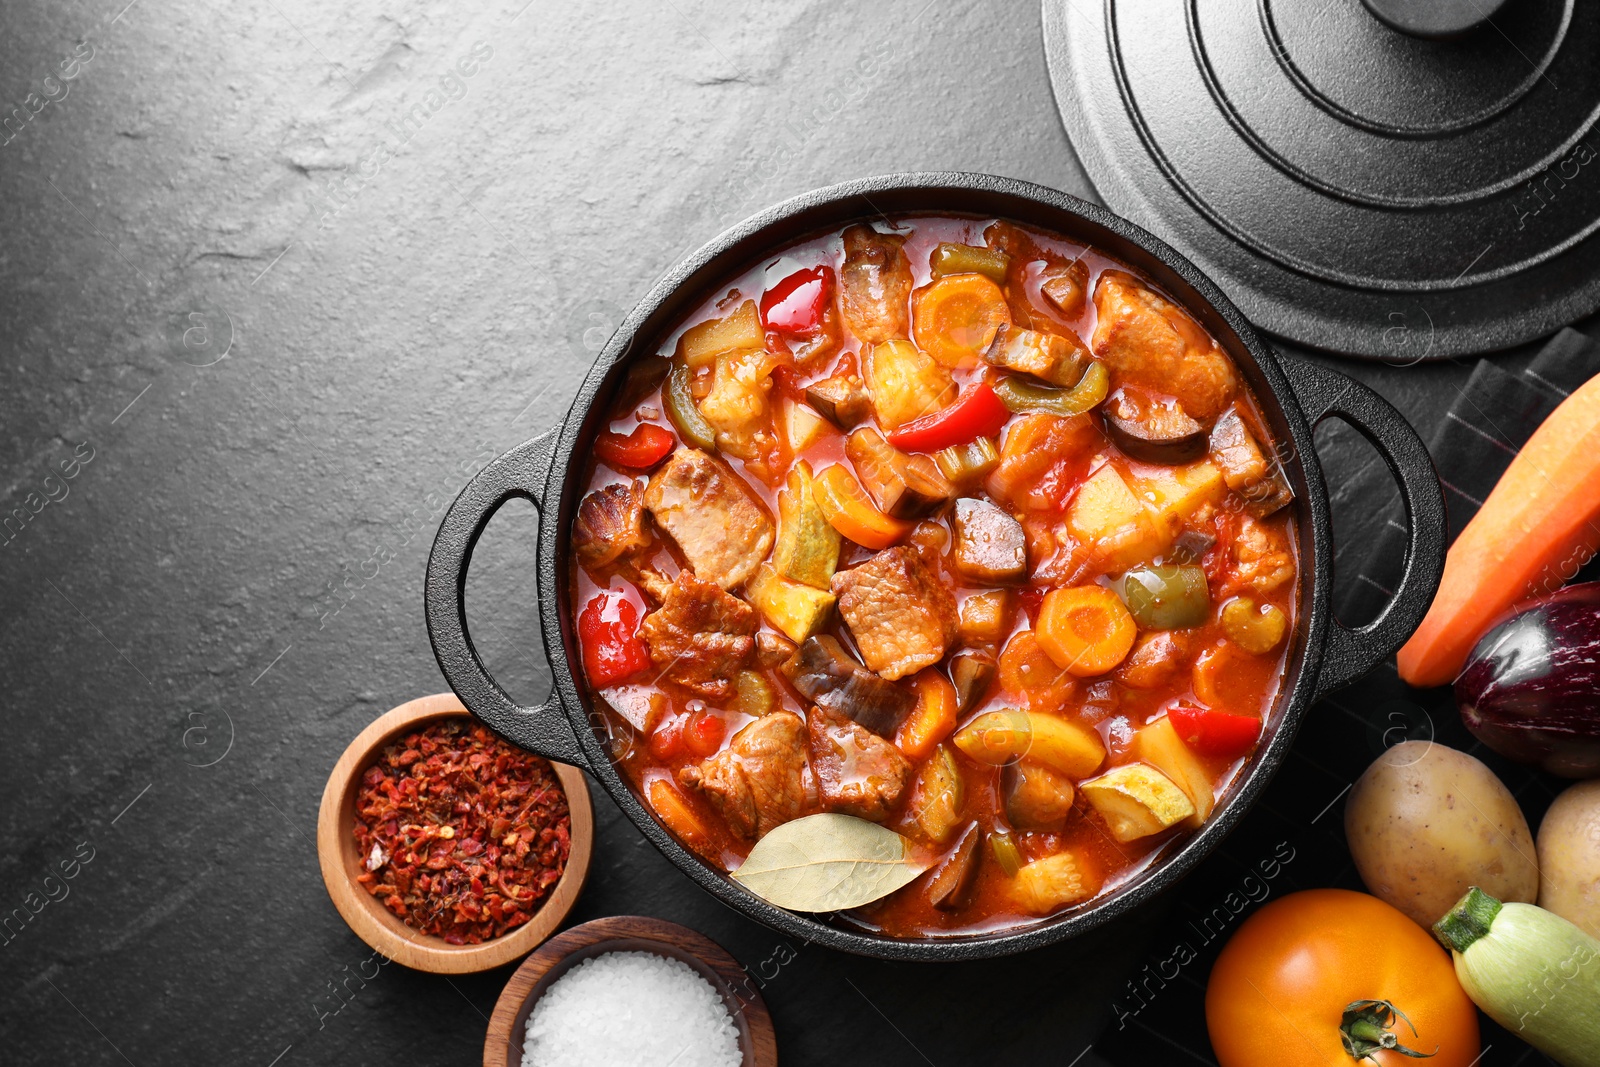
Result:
pixel 736 407
pixel 905 383
pixel 1114 523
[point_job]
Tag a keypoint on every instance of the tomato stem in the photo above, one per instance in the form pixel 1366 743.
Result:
pixel 1366 1029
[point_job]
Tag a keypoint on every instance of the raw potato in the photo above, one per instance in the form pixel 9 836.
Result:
pixel 1569 857
pixel 1425 823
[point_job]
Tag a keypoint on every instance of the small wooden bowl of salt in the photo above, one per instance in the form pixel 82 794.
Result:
pixel 630 989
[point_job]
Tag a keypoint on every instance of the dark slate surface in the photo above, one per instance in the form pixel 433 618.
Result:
pixel 278 330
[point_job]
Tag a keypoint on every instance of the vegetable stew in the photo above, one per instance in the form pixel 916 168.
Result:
pixel 949 525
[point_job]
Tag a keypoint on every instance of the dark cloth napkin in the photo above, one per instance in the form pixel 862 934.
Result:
pixel 1488 422
pixel 1293 838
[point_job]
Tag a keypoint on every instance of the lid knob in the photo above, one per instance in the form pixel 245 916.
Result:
pixel 1433 19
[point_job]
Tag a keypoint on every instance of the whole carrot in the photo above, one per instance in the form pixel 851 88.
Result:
pixel 1539 525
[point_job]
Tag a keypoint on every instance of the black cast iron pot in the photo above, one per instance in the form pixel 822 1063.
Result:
pixel 1294 396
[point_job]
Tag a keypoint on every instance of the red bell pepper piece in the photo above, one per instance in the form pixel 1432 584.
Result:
pixel 977 412
pixel 1215 733
pixel 608 630
pixel 794 306
pixel 644 447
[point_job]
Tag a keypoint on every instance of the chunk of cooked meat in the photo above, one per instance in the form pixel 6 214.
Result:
pixel 900 613
pixel 841 399
pixel 1246 468
pixel 1156 659
pixel 709 512
pixel 990 545
pixel 875 285
pixel 758 781
pixel 700 636
pixel 825 674
pixel 1263 557
pixel 609 526
pixel 858 772
pixel 1151 343
pixel 772 650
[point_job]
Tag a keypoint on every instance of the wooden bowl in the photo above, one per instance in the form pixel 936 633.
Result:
pixel 629 933
pixel 375 924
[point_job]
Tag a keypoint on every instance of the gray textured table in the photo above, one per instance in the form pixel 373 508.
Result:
pixel 279 314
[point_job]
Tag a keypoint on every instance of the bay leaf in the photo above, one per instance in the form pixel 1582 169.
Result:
pixel 828 862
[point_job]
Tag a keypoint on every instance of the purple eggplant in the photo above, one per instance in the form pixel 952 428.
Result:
pixel 1531 687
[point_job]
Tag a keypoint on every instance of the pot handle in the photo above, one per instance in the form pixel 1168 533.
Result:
pixel 1322 393
pixel 521 472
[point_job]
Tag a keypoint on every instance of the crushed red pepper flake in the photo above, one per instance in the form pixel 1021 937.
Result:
pixel 461 834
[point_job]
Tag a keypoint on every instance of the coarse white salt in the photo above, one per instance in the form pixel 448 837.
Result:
pixel 630 1009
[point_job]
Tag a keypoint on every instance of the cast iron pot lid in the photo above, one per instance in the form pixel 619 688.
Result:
pixel 1353 181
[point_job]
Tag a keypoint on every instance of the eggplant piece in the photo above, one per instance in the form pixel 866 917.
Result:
pixel 990 545
pixel 953 883
pixel 842 400
pixel 1036 797
pixel 1049 357
pixel 1191 546
pixel 972 671
pixel 828 676
pixel 903 487
pixel 1163 435
pixel 1531 686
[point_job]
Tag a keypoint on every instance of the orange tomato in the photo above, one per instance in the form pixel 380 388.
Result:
pixel 1279 991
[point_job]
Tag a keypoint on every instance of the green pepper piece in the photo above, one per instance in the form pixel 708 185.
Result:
pixel 949 258
pixel 1019 396
pixel 681 410
pixel 1006 852
pixel 1167 597
pixel 968 463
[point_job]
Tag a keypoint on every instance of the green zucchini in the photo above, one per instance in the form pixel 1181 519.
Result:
pixel 1531 971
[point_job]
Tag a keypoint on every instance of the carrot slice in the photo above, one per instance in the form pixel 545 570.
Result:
pixel 674 812
pixel 848 509
pixel 1539 525
pixel 1027 671
pixel 934 717
pixel 954 319
pixel 1086 630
